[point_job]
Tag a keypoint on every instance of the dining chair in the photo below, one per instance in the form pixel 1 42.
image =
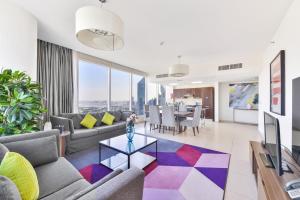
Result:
pixel 146 114
pixel 154 117
pixel 168 118
pixel 194 123
pixel 182 108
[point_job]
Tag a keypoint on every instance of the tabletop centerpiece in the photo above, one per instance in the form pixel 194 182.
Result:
pixel 130 126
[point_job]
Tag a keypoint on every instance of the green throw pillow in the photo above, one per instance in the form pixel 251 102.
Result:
pixel 88 121
pixel 19 170
pixel 108 119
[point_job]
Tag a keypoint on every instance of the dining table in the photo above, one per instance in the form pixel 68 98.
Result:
pixel 179 116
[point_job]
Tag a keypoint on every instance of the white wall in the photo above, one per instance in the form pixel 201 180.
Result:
pixel 287 37
pixel 225 112
pixel 217 103
pixel 18 39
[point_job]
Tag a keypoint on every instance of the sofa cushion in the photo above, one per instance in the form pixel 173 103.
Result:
pixel 112 128
pixel 55 176
pixel 69 190
pixel 108 118
pixel 38 151
pixel 8 190
pixel 117 115
pixel 19 170
pixel 88 121
pixel 125 115
pixel 76 118
pixel 82 133
pixel 99 117
pixel 3 150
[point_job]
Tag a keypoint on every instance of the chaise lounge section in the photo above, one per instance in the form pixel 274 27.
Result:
pixel 81 138
pixel 59 180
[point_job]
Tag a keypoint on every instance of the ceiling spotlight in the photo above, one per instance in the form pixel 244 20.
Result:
pixel 197 82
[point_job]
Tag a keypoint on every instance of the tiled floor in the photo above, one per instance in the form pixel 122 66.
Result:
pixel 227 137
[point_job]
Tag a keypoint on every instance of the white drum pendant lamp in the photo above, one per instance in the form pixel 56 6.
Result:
pixel 179 70
pixel 99 28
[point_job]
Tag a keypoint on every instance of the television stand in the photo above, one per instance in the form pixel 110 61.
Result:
pixel 270 186
pixel 268 163
pixel 266 160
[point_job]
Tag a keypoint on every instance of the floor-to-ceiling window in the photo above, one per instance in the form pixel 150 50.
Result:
pixel 161 95
pixel 92 87
pixel 169 94
pixel 120 90
pixel 152 93
pixel 103 86
pixel 138 94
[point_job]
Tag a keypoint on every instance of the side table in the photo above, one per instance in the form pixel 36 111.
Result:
pixel 62 142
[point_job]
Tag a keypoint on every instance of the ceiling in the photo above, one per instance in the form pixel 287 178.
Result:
pixel 207 33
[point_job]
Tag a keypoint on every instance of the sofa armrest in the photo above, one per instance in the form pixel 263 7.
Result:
pixel 67 123
pixel 127 185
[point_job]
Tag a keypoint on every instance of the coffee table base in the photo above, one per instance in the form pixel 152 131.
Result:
pixel 120 161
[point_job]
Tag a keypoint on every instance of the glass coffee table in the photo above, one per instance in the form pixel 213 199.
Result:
pixel 128 152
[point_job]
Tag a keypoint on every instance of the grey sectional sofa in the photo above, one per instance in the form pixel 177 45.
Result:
pixel 59 180
pixel 82 138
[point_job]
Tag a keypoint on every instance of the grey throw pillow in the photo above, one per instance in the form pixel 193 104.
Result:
pixel 117 115
pixel 37 151
pixel 125 115
pixel 8 190
pixel 99 117
pixel 3 150
pixel 76 120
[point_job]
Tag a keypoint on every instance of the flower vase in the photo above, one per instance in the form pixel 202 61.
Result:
pixel 130 132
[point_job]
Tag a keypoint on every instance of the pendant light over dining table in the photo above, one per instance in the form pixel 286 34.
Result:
pixel 179 70
pixel 99 28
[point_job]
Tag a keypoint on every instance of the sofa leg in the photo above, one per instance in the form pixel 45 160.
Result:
pixel 194 131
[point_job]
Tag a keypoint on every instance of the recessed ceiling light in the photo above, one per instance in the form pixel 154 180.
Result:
pixel 162 43
pixel 197 82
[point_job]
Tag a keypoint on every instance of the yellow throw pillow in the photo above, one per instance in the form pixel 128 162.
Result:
pixel 88 121
pixel 19 170
pixel 108 119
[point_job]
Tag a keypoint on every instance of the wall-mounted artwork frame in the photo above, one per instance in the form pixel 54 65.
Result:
pixel 277 84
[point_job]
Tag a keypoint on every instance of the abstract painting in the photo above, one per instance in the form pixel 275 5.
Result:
pixel 277 84
pixel 243 96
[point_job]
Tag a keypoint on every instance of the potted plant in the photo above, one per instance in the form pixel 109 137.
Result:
pixel 21 107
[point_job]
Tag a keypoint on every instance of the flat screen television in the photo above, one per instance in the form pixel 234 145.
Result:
pixel 272 142
pixel 296 121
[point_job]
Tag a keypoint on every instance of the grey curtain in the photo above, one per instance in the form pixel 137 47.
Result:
pixel 55 74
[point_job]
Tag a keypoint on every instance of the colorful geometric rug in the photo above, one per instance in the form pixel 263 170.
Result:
pixel 181 172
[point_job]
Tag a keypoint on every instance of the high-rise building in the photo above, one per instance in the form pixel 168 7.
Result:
pixel 140 96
